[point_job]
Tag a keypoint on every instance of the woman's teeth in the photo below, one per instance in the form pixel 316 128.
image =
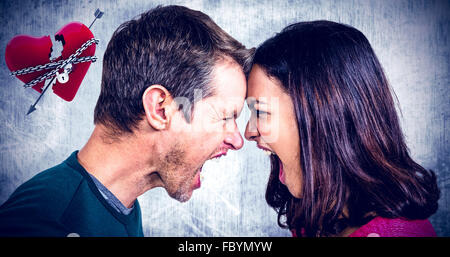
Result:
pixel 267 152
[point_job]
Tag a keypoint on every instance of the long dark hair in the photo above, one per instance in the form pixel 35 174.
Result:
pixel 354 161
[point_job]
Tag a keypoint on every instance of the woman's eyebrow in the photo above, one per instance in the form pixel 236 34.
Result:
pixel 251 103
pixel 260 102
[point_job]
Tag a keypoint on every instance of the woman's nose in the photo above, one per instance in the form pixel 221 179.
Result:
pixel 251 132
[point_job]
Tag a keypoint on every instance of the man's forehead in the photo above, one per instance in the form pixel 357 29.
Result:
pixel 229 86
pixel 228 78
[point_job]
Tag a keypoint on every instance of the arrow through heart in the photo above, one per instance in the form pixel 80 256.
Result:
pixel 29 59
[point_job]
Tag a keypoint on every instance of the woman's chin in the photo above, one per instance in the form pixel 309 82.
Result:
pixel 293 189
pixel 295 194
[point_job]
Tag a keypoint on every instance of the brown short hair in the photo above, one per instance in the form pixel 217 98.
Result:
pixel 173 46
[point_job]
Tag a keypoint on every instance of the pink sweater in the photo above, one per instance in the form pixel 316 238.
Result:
pixel 384 227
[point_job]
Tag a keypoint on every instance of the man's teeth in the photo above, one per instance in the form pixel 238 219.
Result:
pixel 215 159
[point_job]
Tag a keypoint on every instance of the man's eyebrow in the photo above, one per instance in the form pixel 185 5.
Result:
pixel 234 113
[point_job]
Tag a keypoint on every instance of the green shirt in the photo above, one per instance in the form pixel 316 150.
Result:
pixel 64 200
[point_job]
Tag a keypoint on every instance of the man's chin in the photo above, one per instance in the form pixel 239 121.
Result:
pixel 182 194
pixel 185 191
pixel 183 197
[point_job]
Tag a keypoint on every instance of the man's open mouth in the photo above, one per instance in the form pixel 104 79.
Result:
pixel 217 156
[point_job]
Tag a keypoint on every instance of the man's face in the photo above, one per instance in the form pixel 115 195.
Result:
pixel 210 134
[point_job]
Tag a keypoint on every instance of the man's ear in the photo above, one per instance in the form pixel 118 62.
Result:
pixel 157 103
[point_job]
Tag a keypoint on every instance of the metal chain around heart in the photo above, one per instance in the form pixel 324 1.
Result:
pixel 57 65
pixel 51 65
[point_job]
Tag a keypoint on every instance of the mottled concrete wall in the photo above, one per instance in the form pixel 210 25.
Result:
pixel 411 39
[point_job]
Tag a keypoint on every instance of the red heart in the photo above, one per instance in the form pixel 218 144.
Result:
pixel 25 51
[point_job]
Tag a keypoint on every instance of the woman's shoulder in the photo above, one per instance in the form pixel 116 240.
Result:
pixel 398 227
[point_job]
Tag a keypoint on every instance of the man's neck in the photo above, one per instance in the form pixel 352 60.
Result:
pixel 122 166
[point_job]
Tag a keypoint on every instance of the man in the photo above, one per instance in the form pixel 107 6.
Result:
pixel 173 83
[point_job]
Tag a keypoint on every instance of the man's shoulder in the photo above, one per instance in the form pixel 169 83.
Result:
pixel 52 185
pixel 42 198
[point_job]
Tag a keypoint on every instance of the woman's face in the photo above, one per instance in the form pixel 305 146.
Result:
pixel 273 126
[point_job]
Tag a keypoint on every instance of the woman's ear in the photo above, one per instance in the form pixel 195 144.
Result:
pixel 157 103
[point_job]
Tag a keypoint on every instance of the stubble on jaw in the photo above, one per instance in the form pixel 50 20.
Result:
pixel 176 169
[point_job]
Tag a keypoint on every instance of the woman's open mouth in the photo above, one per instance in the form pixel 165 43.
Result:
pixel 265 149
pixel 281 173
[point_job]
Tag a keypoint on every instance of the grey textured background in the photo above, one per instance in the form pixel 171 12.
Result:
pixel 411 39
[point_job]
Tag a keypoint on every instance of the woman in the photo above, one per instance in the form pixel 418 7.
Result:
pixel 321 106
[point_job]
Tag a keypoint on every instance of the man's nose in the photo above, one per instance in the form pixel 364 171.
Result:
pixel 234 139
pixel 251 132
